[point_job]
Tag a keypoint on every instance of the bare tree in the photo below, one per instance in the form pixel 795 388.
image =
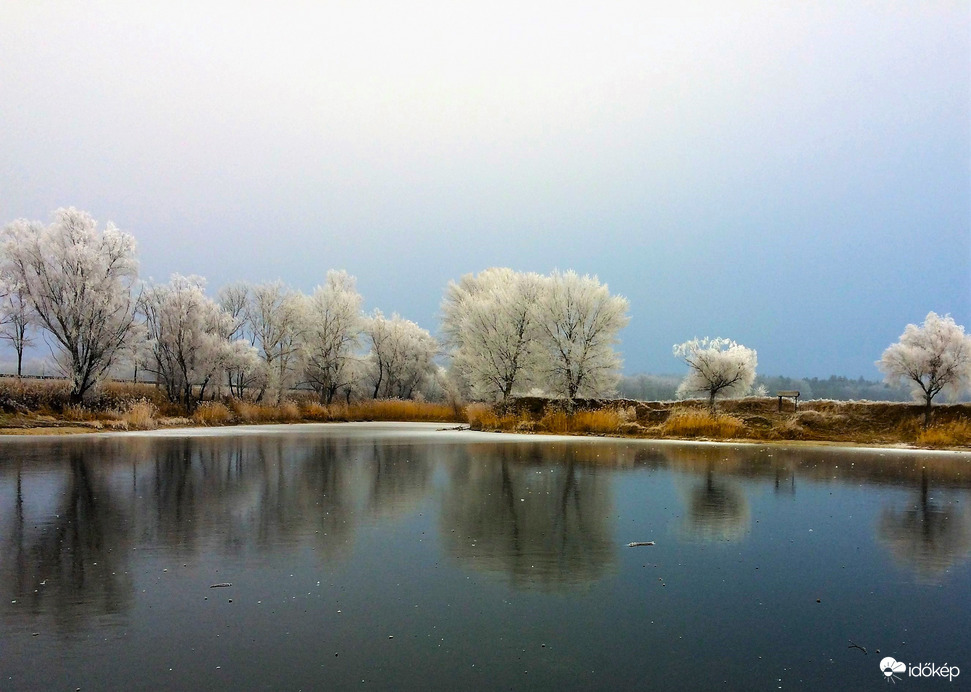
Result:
pixel 578 323
pixel 79 282
pixel 275 314
pixel 718 367
pixel 332 334
pixel 400 357
pixel 489 322
pixel 187 332
pixel 932 358
pixel 16 321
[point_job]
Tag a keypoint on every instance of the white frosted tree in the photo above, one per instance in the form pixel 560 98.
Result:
pixel 79 283
pixel 275 317
pixel 577 326
pixel 400 358
pixel 717 368
pixel 332 335
pixel 245 370
pixel 931 358
pixel 489 324
pixel 187 332
pixel 16 321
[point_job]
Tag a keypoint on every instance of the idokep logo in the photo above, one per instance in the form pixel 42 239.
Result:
pixel 892 669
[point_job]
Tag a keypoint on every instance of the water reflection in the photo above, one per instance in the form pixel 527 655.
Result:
pixel 717 510
pixel 70 562
pixel 538 517
pixel 929 535
pixel 539 514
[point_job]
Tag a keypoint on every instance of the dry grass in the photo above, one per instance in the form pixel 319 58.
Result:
pixel 140 415
pixel 697 423
pixel 399 410
pixel 953 434
pixel 212 413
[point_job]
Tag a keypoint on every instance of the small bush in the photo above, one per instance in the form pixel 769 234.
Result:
pixel 696 423
pixel 212 413
pixel 140 415
pixel 953 434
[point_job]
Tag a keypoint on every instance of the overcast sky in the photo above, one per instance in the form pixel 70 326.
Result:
pixel 791 175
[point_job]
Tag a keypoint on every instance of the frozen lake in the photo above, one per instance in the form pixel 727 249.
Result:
pixel 399 556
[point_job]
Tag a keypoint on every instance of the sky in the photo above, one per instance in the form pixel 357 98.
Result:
pixel 794 176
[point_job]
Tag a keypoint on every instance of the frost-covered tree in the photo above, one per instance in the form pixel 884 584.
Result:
pixel 717 367
pixel 16 321
pixel 400 358
pixel 578 322
pixel 489 323
pixel 275 317
pixel 79 283
pixel 233 299
pixel 187 332
pixel 332 335
pixel 246 371
pixel 931 358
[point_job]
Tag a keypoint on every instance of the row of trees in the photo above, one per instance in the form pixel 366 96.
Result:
pixel 931 358
pixel 80 286
pixel 510 332
pixel 506 332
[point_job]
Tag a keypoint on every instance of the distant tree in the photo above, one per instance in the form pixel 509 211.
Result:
pixel 718 367
pixel 186 331
pixel 931 358
pixel 400 358
pixel 577 326
pixel 275 316
pixel 489 323
pixel 79 283
pixel 16 320
pixel 233 299
pixel 246 371
pixel 332 335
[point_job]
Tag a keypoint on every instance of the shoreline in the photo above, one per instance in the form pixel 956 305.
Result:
pixel 54 432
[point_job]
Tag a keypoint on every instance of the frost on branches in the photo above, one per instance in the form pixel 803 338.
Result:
pixel 509 332
pixel 489 320
pixel 718 367
pixel 578 325
pixel 187 333
pixel 78 281
pixel 932 358
pixel 400 361
pixel 332 335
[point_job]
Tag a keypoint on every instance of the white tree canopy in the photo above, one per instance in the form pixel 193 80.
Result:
pixel 401 356
pixel 275 316
pixel 332 335
pixel 187 332
pixel 933 358
pixel 79 282
pixel 578 322
pixel 718 367
pixel 489 320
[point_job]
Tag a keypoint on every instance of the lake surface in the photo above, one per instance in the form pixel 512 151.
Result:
pixel 398 556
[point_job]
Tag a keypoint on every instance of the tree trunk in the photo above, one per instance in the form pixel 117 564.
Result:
pixel 927 410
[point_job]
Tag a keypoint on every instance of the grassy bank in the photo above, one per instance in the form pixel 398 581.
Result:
pixel 42 406
pixel 754 419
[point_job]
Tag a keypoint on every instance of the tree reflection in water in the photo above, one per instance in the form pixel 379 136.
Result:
pixel 542 522
pixel 717 510
pixel 929 536
pixel 71 563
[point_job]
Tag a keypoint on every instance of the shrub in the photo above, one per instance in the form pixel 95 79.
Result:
pixel 697 423
pixel 140 415
pixel 212 413
pixel 953 434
